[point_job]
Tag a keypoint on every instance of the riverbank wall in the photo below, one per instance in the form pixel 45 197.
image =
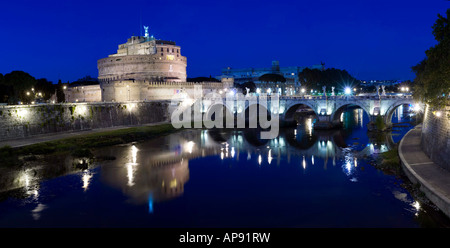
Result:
pixel 21 121
pixel 435 139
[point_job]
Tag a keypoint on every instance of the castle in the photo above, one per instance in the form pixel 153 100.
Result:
pixel 144 68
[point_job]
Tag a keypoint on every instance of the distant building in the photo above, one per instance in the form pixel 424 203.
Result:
pixel 289 86
pixel 243 75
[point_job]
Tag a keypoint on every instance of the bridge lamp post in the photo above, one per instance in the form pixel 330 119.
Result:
pixel 415 107
pixel 323 111
pixel 347 91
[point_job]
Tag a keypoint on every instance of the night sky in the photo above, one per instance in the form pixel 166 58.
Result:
pixel 379 39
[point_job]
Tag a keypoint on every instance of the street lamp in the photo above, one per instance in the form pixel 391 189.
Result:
pixel 347 91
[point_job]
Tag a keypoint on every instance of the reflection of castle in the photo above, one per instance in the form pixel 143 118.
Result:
pixel 144 68
pixel 143 177
pixel 157 170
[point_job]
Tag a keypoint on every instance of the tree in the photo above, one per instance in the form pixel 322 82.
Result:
pixel 21 85
pixel 45 88
pixel 60 96
pixel 432 82
pixel 314 79
pixel 5 90
pixel 87 80
pixel 250 85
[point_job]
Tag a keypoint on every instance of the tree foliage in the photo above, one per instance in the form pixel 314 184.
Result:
pixel 432 82
pixel 315 79
pixel 60 96
pixel 17 84
pixel 47 88
pixel 87 80
pixel 250 85
pixel 5 90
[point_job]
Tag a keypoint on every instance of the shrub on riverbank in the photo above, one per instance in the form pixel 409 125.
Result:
pixel 8 156
pixel 390 162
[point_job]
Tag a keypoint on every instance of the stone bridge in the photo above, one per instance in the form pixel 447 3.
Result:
pixel 327 109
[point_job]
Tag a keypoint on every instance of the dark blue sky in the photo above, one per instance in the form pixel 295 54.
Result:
pixel 377 39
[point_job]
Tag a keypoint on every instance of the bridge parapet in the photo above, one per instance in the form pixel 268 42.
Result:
pixel 328 109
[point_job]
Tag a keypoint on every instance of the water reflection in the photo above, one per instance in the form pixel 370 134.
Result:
pixel 157 171
pixel 151 172
pixel 160 168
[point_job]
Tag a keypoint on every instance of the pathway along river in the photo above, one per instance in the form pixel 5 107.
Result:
pixel 226 178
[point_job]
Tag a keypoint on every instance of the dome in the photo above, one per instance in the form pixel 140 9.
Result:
pixel 271 77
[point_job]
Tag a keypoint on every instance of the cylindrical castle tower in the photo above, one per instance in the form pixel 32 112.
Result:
pixel 145 68
pixel 144 58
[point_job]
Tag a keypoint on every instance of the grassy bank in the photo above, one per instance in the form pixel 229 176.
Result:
pixel 80 146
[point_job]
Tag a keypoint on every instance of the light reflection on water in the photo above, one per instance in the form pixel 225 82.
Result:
pixel 191 174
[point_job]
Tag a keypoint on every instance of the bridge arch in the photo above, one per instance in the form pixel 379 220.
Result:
pixel 391 110
pixel 215 107
pixel 339 109
pixel 292 108
pixel 253 115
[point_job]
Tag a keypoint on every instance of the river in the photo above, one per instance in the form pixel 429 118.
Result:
pixel 223 178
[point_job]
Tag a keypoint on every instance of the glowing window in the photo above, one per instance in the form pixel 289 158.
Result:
pixel 170 57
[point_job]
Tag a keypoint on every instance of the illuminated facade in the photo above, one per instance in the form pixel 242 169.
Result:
pixel 144 58
pixel 145 68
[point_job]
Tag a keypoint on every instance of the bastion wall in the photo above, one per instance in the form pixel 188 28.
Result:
pixel 21 121
pixel 142 90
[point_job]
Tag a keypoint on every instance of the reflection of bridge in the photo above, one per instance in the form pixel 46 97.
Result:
pixel 328 109
pixel 158 169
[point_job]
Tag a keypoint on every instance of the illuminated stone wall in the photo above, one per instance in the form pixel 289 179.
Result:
pixel 87 93
pixel 132 90
pixel 436 136
pixel 144 58
pixel 143 67
pixel 23 121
